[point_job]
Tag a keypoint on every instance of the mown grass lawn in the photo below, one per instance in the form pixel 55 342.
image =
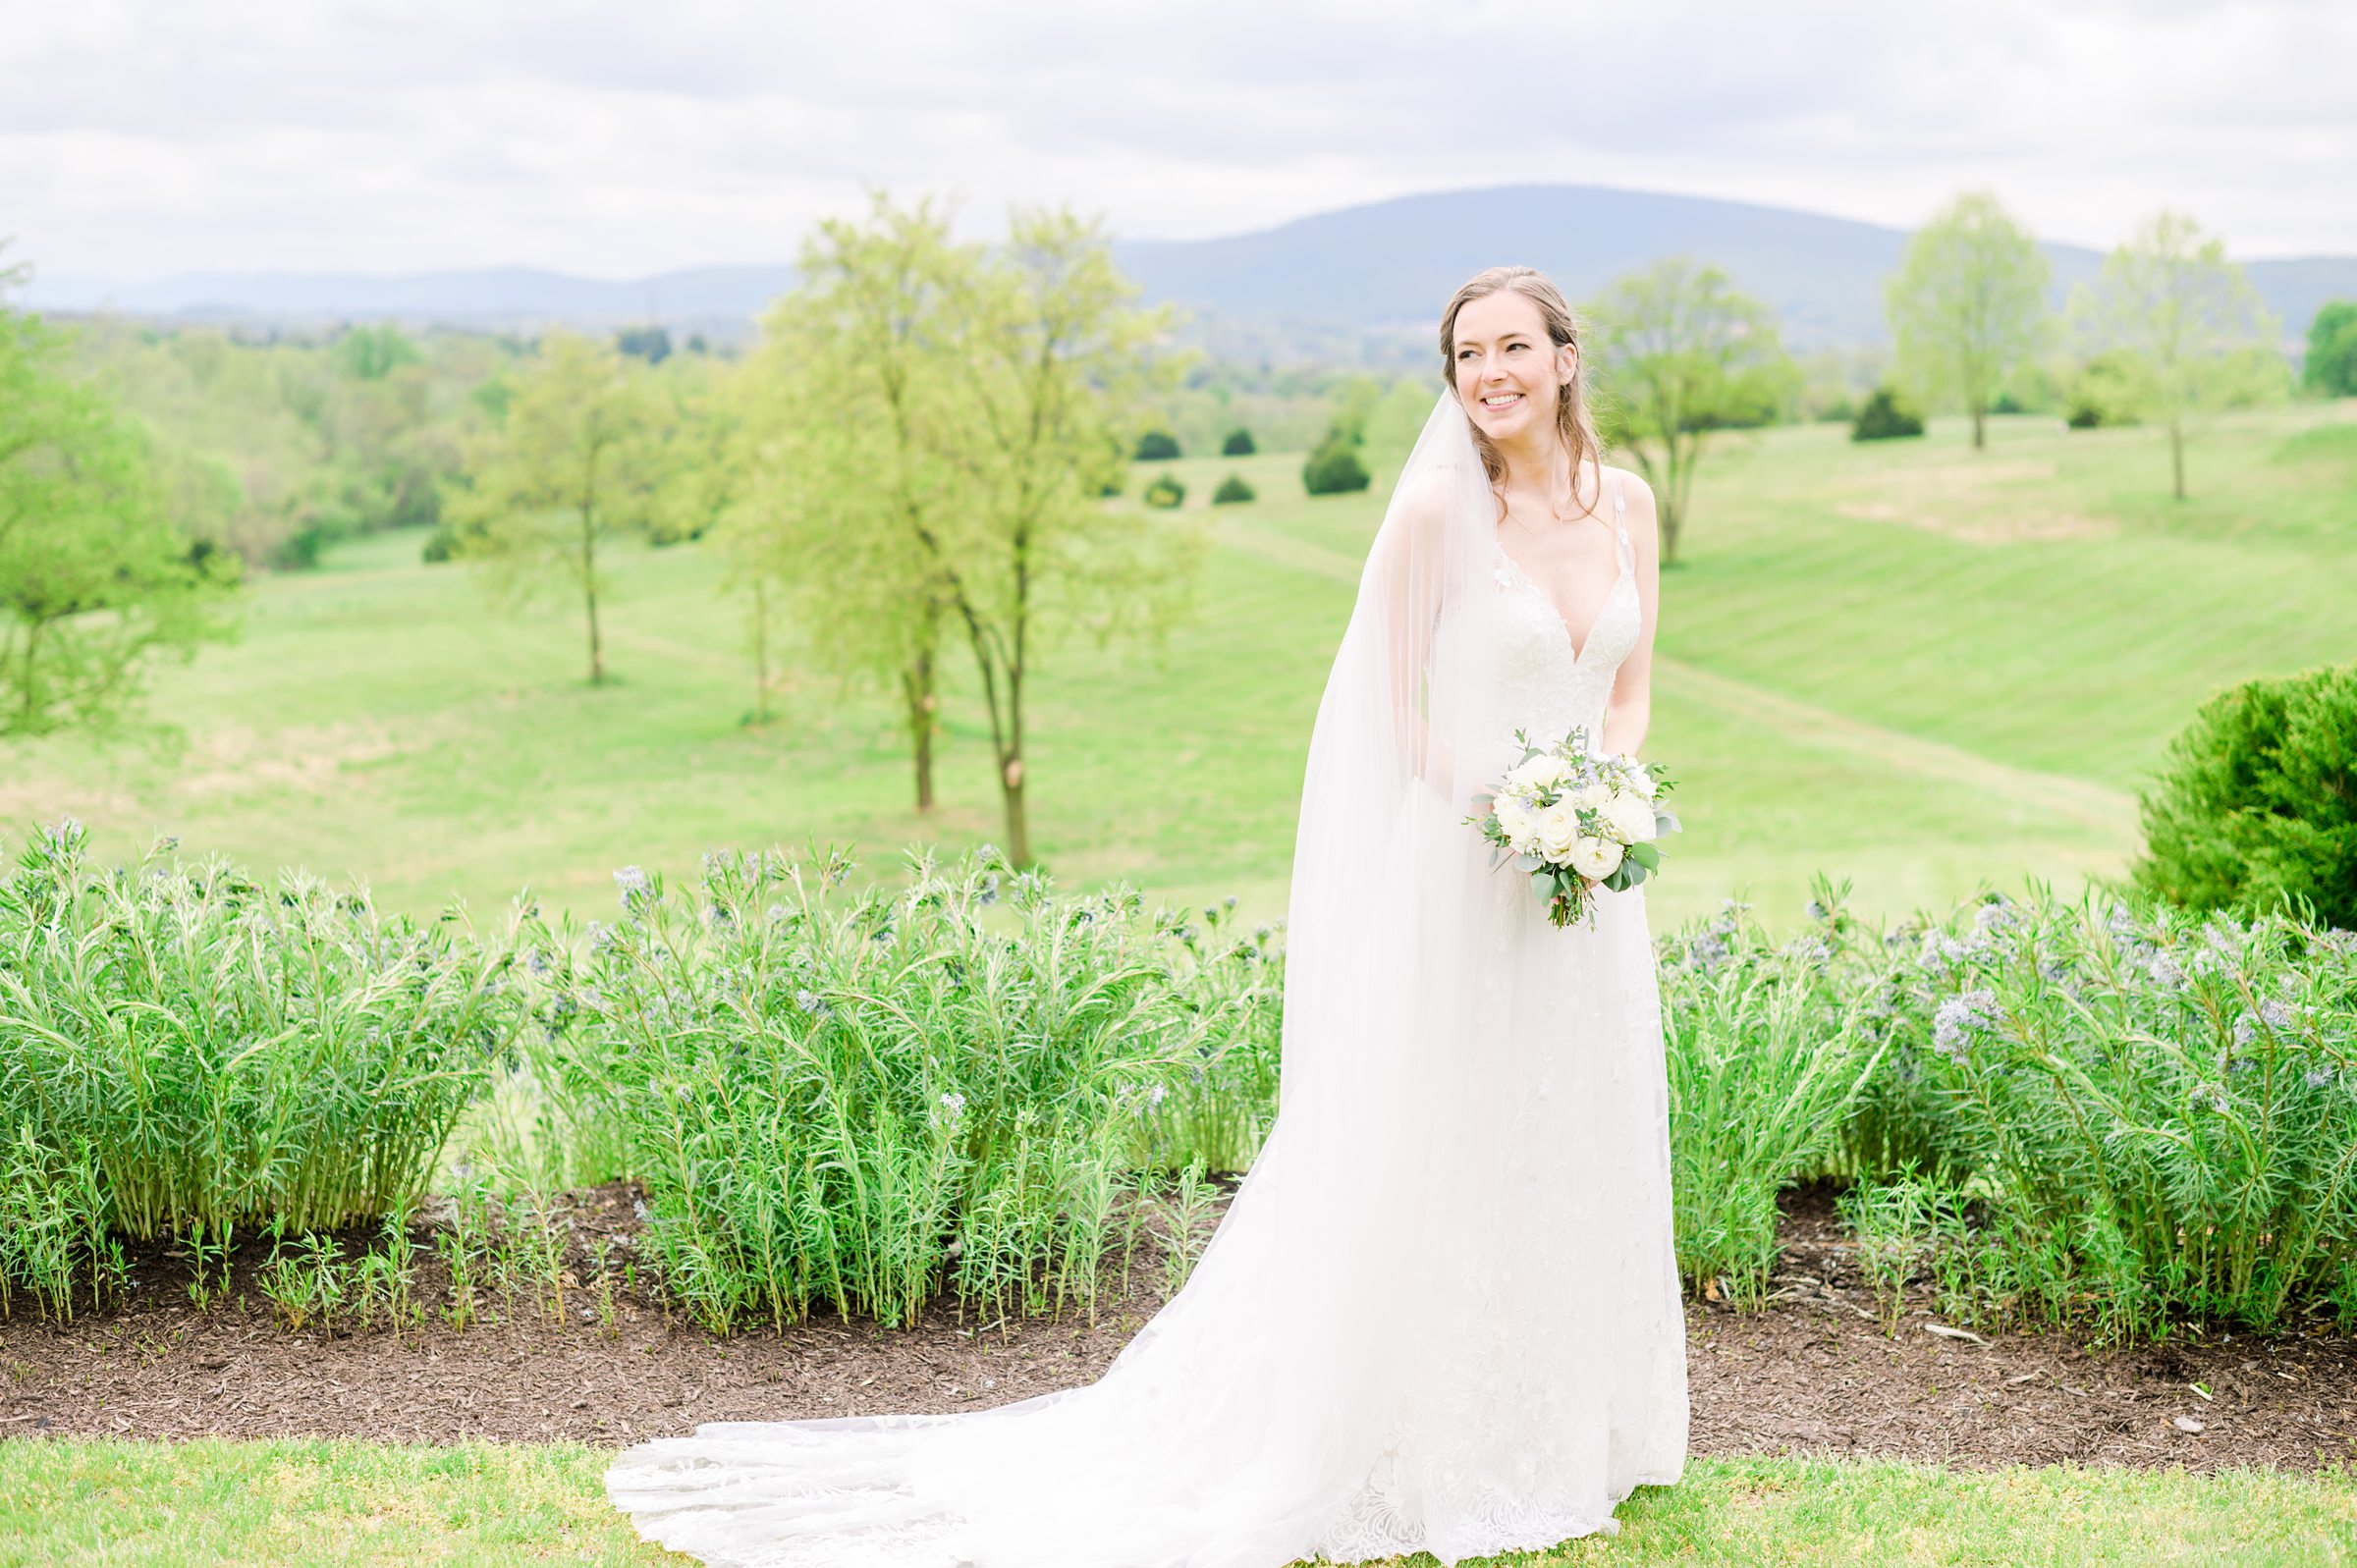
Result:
pixel 1903 662
pixel 212 1504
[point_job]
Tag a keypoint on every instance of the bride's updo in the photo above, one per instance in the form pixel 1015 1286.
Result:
pixel 1574 425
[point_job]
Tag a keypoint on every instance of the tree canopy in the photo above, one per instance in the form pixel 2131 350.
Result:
pixel 97 577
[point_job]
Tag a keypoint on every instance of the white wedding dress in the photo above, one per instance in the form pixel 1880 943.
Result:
pixel 1441 1311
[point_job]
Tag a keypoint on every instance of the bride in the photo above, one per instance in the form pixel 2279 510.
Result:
pixel 1441 1311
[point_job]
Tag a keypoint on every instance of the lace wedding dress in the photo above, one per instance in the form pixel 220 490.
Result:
pixel 1441 1311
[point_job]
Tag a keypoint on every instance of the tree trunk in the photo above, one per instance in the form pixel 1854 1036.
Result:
pixel 1010 769
pixel 760 650
pixel 2176 456
pixel 1018 827
pixel 1978 418
pixel 918 704
pixel 33 679
pixel 597 650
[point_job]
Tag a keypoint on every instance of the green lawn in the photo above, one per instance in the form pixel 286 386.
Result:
pixel 1903 662
pixel 309 1504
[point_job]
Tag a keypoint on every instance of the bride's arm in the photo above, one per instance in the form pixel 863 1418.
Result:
pixel 1629 711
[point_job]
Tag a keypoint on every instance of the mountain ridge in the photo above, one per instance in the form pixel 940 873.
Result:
pixel 1373 268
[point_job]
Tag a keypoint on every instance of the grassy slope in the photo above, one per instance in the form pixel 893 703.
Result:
pixel 211 1504
pixel 1902 662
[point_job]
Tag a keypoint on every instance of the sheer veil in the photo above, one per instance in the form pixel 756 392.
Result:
pixel 1240 1425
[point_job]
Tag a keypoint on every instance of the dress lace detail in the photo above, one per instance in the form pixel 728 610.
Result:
pixel 1459 1333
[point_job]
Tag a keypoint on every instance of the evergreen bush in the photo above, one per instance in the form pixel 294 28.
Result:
pixel 1232 489
pixel 2256 807
pixel 1157 445
pixel 1238 444
pixel 1885 417
pixel 2330 363
pixel 1166 491
pixel 1335 467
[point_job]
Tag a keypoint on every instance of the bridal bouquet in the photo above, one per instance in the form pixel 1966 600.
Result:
pixel 1576 821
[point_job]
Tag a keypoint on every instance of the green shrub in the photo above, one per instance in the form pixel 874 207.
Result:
pixel 1233 490
pixel 1885 417
pixel 857 1100
pixel 1766 1058
pixel 2106 391
pixel 2330 365
pixel 1238 444
pixel 1166 491
pixel 188 1047
pixel 2157 1111
pixel 1333 468
pixel 1157 445
pixel 2082 1115
pixel 2255 806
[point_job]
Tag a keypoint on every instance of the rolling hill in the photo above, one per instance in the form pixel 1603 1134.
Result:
pixel 1373 269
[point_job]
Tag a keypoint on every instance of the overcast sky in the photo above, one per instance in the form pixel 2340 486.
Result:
pixel 142 139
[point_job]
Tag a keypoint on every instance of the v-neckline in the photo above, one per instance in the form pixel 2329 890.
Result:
pixel 1578 650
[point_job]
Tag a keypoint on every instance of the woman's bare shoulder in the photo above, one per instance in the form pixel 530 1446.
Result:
pixel 1644 517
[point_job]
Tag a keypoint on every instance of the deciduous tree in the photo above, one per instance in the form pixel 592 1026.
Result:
pixel 1684 355
pixel 2186 328
pixel 97 577
pixel 1059 362
pixel 573 462
pixel 1967 304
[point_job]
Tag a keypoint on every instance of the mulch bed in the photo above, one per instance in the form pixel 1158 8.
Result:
pixel 1814 1373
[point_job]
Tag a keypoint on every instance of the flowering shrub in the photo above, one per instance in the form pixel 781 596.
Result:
pixel 182 1049
pixel 2156 1111
pixel 856 1099
pixel 1767 1054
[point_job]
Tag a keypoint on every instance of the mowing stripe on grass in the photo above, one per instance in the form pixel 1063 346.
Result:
pixel 2081 801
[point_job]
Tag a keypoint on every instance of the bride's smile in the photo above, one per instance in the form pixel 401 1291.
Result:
pixel 1509 371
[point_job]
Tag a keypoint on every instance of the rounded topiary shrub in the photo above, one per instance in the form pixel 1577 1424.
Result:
pixel 1157 445
pixel 2256 807
pixel 1884 417
pixel 1238 444
pixel 1333 468
pixel 1164 491
pixel 1232 489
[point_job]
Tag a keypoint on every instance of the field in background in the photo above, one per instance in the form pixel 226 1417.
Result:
pixel 1905 663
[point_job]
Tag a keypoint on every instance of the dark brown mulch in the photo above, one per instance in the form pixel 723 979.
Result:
pixel 1813 1374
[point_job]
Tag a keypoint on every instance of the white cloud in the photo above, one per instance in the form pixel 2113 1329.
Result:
pixel 138 141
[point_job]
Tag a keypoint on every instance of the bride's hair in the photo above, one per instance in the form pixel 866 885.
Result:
pixel 1574 424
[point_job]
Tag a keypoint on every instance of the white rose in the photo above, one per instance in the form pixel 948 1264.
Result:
pixel 1515 819
pixel 1591 795
pixel 1630 818
pixel 1557 830
pixel 1538 773
pixel 1595 857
